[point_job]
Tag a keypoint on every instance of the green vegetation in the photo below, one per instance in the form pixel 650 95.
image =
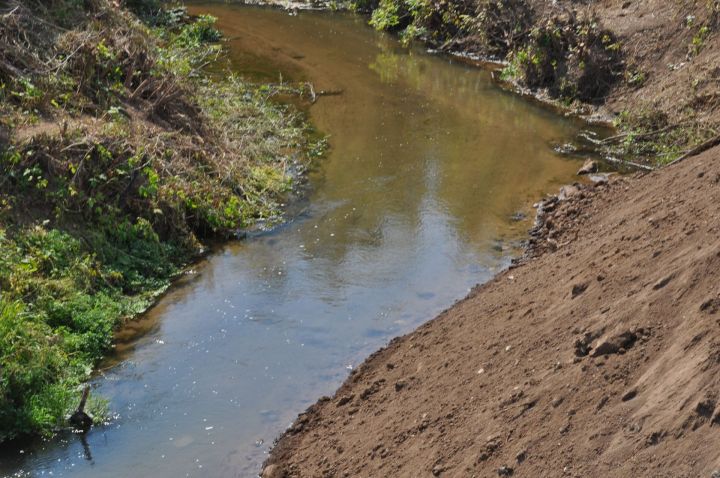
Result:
pixel 698 40
pixel 435 23
pixel 572 58
pixel 119 154
pixel 651 134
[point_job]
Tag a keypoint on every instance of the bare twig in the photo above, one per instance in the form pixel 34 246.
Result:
pixel 711 143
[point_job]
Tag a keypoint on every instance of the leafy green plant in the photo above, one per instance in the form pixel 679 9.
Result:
pixel 387 16
pixel 698 40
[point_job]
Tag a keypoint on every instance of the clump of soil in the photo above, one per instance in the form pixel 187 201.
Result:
pixel 597 356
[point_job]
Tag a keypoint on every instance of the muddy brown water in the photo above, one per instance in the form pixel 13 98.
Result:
pixel 429 162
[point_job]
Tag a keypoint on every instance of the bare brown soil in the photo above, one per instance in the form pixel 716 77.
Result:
pixel 677 66
pixel 662 41
pixel 598 357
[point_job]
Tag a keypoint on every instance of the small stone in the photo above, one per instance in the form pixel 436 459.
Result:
pixel 566 192
pixel 505 471
pixel 705 408
pixel 663 282
pixel 654 438
pixel 710 306
pixel 616 344
pixel 437 470
pixel 521 456
pixel 399 385
pixel 582 346
pixel 715 474
pixel 634 427
pixel 272 471
pixel 629 395
pixel 599 178
pixel 345 400
pixel 579 289
pixel 589 167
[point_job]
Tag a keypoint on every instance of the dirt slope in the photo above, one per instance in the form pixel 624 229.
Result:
pixel 600 357
pixel 675 47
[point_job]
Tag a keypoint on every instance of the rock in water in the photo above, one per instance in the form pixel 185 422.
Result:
pixel 589 167
pixel 272 471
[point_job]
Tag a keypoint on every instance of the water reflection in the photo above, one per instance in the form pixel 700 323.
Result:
pixel 412 208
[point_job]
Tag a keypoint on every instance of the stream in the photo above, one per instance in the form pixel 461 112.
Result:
pixel 426 191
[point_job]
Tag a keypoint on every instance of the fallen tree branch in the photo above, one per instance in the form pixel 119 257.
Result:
pixel 625 162
pixel 621 136
pixel 711 143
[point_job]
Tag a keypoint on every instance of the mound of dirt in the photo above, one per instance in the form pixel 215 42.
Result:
pixel 599 356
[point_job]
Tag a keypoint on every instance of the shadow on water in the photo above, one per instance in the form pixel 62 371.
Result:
pixel 430 169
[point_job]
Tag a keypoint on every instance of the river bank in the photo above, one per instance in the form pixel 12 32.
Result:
pixel 597 357
pixel 121 156
pixel 647 67
pixel 422 194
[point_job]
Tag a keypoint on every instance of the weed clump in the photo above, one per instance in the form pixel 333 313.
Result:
pixel 437 23
pixel 651 133
pixel 573 58
pixel 501 26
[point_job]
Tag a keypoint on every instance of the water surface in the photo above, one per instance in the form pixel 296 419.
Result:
pixel 412 207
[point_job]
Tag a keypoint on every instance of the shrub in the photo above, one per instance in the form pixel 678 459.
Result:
pixel 573 59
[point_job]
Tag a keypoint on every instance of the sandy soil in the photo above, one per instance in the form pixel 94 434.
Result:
pixel 600 356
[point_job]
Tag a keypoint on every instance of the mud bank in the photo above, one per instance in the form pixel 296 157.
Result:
pixel 598 357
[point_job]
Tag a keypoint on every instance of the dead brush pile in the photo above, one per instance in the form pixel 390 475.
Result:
pixel 135 136
pixel 497 28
